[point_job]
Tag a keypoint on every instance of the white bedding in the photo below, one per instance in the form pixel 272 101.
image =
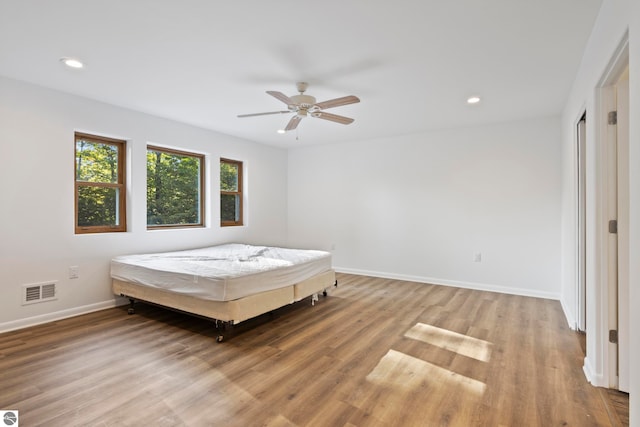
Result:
pixel 224 272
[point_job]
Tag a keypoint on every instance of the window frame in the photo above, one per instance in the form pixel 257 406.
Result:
pixel 239 194
pixel 120 185
pixel 202 193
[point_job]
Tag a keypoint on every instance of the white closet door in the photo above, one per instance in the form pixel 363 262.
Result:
pixel 623 231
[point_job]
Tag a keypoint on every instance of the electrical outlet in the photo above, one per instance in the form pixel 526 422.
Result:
pixel 477 257
pixel 74 272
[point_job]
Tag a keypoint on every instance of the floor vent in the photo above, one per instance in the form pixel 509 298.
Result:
pixel 38 292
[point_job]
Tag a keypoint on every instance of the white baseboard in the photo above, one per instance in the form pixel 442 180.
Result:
pixel 573 324
pixel 592 377
pixel 58 315
pixel 453 283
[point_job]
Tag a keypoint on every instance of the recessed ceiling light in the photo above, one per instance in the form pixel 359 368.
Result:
pixel 473 100
pixel 72 62
pixel 281 131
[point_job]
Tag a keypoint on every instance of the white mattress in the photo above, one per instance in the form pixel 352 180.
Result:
pixel 222 273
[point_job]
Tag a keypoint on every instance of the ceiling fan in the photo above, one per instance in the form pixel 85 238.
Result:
pixel 306 106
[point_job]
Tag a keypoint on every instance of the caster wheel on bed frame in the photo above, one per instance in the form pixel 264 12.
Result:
pixel 131 308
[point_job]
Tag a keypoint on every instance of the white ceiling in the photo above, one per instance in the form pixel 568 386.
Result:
pixel 413 63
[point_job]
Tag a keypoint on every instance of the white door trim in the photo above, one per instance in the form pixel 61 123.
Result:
pixel 623 232
pixel 581 207
pixel 601 359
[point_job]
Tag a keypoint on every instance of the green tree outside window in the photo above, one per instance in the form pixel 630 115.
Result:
pixel 230 192
pixel 174 188
pixel 99 184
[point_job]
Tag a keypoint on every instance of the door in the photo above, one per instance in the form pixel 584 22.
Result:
pixel 611 218
pixel 607 356
pixel 617 154
pixel 622 97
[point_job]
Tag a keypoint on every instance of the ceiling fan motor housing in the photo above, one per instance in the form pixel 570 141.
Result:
pixel 302 101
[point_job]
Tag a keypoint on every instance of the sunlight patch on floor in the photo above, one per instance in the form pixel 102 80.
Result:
pixel 451 341
pixel 203 387
pixel 407 372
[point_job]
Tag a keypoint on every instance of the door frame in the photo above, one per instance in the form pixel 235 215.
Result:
pixel 581 227
pixel 601 359
pixel 623 306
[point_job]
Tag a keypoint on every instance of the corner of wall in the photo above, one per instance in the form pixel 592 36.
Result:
pixel 571 321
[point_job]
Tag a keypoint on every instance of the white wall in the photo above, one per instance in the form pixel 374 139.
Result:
pixel 419 207
pixel 37 240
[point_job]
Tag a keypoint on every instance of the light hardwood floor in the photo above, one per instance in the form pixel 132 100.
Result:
pixel 376 352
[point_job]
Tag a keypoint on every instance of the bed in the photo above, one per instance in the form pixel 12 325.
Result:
pixel 227 283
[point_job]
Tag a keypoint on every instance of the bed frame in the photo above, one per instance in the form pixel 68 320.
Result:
pixel 227 313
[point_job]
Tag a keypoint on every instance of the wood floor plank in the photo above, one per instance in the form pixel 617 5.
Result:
pixel 376 352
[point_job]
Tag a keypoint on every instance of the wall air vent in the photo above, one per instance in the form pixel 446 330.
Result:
pixel 38 292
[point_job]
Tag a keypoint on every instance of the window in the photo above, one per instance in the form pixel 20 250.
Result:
pixel 175 188
pixel 230 192
pixel 99 184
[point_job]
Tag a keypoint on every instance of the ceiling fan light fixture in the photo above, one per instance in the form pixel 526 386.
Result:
pixel 72 62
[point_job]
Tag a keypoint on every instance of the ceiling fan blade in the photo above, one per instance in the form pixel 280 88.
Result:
pixel 334 118
pixel 263 114
pixel 293 123
pixel 280 96
pixel 345 100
